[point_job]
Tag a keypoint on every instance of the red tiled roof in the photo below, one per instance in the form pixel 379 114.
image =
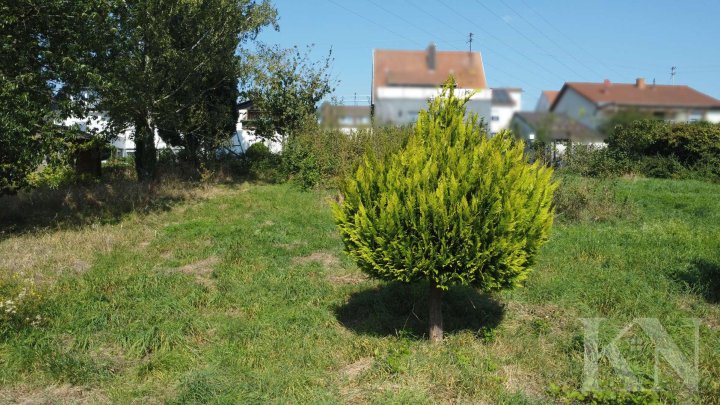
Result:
pixel 645 95
pixel 407 68
pixel 550 96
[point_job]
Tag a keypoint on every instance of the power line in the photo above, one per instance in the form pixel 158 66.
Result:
pixel 569 39
pixel 372 22
pixel 504 71
pixel 529 39
pixel 491 35
pixel 542 32
pixel 401 18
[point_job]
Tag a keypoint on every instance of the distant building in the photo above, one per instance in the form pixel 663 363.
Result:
pixel 403 81
pixel 504 103
pixel 547 98
pixel 556 130
pixel 593 103
pixel 123 142
pixel 345 117
pixel 245 132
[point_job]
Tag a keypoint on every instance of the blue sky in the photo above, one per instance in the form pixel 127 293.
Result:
pixel 536 45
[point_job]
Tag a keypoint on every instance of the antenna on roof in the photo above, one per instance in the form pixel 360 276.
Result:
pixel 673 72
pixel 469 41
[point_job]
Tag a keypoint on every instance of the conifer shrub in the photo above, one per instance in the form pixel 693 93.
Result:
pixel 453 207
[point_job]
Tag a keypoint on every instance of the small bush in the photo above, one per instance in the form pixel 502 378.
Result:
pixel 586 199
pixel 662 167
pixel 594 161
pixel 322 156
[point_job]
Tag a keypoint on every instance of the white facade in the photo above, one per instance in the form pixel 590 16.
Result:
pixel 501 113
pixel 244 137
pixel 543 103
pixel 579 108
pixel 123 142
pixel 401 105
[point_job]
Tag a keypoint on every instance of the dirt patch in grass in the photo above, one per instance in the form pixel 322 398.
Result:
pixel 519 380
pixel 54 394
pixel 353 370
pixel 327 260
pixel 347 279
pixel 202 270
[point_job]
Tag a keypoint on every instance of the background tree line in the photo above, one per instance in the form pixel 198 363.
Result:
pixel 175 68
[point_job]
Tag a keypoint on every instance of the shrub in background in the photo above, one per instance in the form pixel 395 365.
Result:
pixel 452 207
pixel 588 199
pixel 594 161
pixel 323 155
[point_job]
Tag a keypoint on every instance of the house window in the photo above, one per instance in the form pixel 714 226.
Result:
pixel 695 116
pixel 494 118
pixel 346 120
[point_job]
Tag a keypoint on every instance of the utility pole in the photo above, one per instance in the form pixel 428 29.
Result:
pixel 673 72
pixel 469 41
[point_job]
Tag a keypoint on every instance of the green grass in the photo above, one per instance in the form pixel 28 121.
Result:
pixel 246 296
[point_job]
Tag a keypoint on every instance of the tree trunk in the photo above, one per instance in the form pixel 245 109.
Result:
pixel 145 152
pixel 436 318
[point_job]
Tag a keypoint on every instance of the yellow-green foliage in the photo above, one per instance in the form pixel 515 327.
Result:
pixel 453 207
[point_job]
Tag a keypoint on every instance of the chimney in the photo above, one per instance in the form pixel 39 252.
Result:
pixel 640 83
pixel 606 86
pixel 431 56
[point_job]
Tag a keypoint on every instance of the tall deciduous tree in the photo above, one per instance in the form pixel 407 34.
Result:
pixel 45 56
pixel 171 69
pixel 453 207
pixel 286 87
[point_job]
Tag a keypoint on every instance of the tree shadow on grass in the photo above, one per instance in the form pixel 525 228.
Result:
pixel 701 277
pixel 394 307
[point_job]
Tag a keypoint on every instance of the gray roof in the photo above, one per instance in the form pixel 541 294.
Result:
pixel 502 97
pixel 559 126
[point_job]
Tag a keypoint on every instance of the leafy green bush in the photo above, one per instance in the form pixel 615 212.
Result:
pixel 320 155
pixel 662 167
pixel 452 207
pixel 594 161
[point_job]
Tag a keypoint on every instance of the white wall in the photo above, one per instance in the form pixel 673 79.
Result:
pixel 579 108
pixel 713 116
pixel 243 138
pixel 400 105
pixel 543 103
pixel 504 113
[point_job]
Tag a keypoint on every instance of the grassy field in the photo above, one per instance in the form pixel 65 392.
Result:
pixel 244 295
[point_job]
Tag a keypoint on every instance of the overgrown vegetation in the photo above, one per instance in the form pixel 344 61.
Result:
pixel 654 149
pixel 189 304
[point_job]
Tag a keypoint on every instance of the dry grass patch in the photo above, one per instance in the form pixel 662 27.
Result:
pixel 51 395
pixel 202 270
pixel 327 260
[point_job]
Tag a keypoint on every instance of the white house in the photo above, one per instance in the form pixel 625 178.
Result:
pixel 245 134
pixel 125 144
pixel 403 81
pixel 593 103
pixel 547 98
pixel 123 141
pixel 505 102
